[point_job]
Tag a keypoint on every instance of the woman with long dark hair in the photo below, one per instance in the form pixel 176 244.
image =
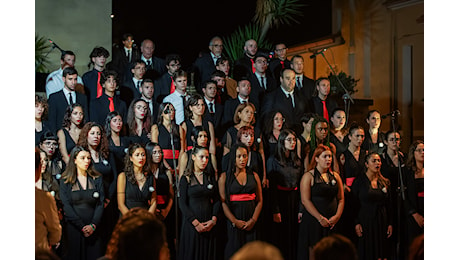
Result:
pixel 74 119
pixel 322 198
pixel 338 130
pixel 118 144
pixel 374 139
pixel 284 170
pixel 414 179
pixel 139 121
pixel 199 203
pixel 136 185
pixel 241 195
pixel 199 137
pixel 41 113
pixel 82 195
pixel 371 192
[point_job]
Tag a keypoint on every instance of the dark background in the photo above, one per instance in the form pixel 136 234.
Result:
pixel 185 27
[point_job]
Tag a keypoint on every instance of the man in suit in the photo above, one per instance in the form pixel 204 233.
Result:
pixel 261 82
pixel 59 101
pixel 214 111
pixel 206 64
pixel 155 67
pixel 108 101
pixel 219 77
pixel 244 66
pixel 322 104
pixel 93 88
pixel 287 100
pixel 279 62
pixel 124 55
pixel 244 90
pixel 54 81
pixel 131 88
pixel 165 84
pixel 303 83
pixel 147 94
pixel 179 96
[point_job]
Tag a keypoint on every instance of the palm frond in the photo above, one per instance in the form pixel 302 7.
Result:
pixel 41 50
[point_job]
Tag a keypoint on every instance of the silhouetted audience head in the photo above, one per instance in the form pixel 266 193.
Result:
pixel 138 235
pixel 334 247
pixel 257 250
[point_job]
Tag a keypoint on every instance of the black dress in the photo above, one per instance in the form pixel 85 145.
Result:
pixel 164 140
pixel 38 135
pixel 82 207
pixel 351 169
pixel 142 139
pixel 119 152
pixel 230 137
pixel 106 167
pixel 188 134
pixel 368 145
pixel 341 146
pixel 324 198
pixel 242 209
pixel 374 214
pixel 414 203
pixel 69 143
pixel 199 202
pixel 285 197
pixel 139 197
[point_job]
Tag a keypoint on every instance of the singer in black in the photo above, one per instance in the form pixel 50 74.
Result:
pixel 322 104
pixel 163 130
pixel 373 141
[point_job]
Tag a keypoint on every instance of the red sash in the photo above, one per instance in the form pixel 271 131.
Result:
pixel 168 154
pixel 286 188
pixel 242 197
pixel 420 194
pixel 161 199
pixel 349 181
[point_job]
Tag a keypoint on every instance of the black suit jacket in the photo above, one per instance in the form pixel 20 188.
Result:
pixel 243 68
pixel 277 101
pixel 129 91
pixel 204 66
pixel 99 108
pixel 258 92
pixel 275 67
pixel 120 62
pixel 215 118
pixel 90 82
pixel 308 87
pixel 57 105
pixel 317 105
pixel 156 69
pixel 162 87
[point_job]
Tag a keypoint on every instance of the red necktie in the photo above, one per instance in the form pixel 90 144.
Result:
pixel 325 113
pixel 218 95
pixel 111 106
pixel 99 87
pixel 282 64
pixel 253 68
pixel 173 87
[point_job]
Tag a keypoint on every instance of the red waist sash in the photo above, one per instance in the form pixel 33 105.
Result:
pixel 286 188
pixel 242 197
pixel 161 199
pixel 349 181
pixel 420 194
pixel 168 154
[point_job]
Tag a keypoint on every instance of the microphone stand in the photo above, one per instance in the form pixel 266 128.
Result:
pixel 175 186
pixel 346 97
pixel 400 189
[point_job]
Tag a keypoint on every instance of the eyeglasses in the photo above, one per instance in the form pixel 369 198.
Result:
pixel 291 140
pixel 281 49
pixel 50 144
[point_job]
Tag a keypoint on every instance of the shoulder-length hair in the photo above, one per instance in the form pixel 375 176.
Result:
pixel 195 132
pixel 149 153
pixel 68 114
pixel 246 130
pixel 103 147
pixel 70 173
pixel 164 109
pixel 380 179
pixel 410 162
pixel 241 107
pixel 318 151
pixel 39 100
pixel 280 153
pixel 108 119
pixel 131 119
pixel 129 167
pixel 192 101
pixel 268 129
